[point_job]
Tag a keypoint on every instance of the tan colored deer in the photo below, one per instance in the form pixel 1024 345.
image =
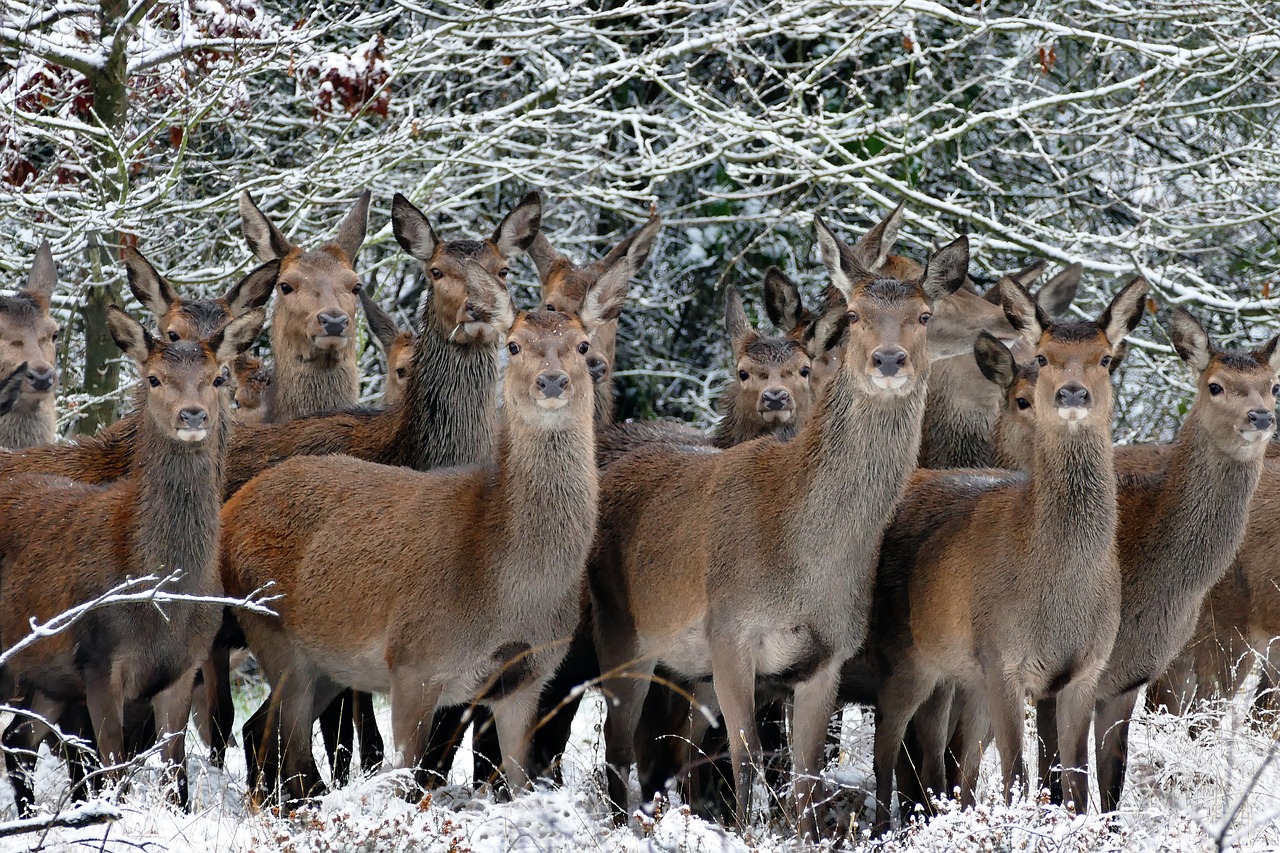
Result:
pixel 396 346
pixel 313 337
pixel 1038 611
pixel 507 542
pixel 755 564
pixel 160 520
pixel 28 335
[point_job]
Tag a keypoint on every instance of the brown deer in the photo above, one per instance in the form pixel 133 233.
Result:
pixel 754 565
pixel 1038 612
pixel 509 540
pixel 313 337
pixel 396 346
pixel 160 520
pixel 28 335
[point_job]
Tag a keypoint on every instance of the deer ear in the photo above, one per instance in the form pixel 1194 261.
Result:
pixel 1125 311
pixel 517 229
pixel 995 361
pixel 782 301
pixel 413 231
pixel 1027 318
pixel 147 285
pixel 352 230
pixel 130 335
pixel 1190 340
pixel 947 269
pixel 253 290
pixel 490 300
pixel 238 335
pixel 1060 291
pixel 265 240
pixel 381 323
pixel 43 277
pixel 873 250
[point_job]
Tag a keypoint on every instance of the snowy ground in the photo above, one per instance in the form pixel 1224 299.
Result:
pixel 1181 788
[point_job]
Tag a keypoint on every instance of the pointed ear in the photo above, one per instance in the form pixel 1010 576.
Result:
pixel 381 323
pixel 873 250
pixel 352 230
pixel 606 298
pixel 490 300
pixel 11 388
pixel 1027 275
pixel 130 335
pixel 736 324
pixel 947 269
pixel 412 230
pixel 1117 357
pixel 147 285
pixel 1270 353
pixel 43 277
pixel 827 331
pixel 517 229
pixel 994 360
pixel 1027 318
pixel 1060 291
pixel 254 290
pixel 843 268
pixel 1125 311
pixel 1190 340
pixel 265 240
pixel 782 301
pixel 238 335
pixel 543 255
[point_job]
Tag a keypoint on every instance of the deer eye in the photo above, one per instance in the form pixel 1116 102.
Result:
pixel 1023 403
pixel 400 371
pixel 513 348
pixel 804 373
pixel 1215 389
pixel 154 380
pixel 584 347
pixel 173 336
pixel 1106 361
pixel 436 272
pixel 1042 361
pixel 286 288
pixel 925 318
pixel 743 375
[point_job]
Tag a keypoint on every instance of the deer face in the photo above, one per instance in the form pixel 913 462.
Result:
pixel 547 374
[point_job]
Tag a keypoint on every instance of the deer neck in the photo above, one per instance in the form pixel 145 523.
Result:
pixel 306 384
pixel 1073 497
pixel 448 415
pixel 737 425
pixel 29 425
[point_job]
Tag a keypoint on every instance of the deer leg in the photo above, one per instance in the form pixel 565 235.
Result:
pixel 1075 710
pixel 372 748
pixel 733 675
pixel 1050 762
pixel 172 707
pixel 811 710
pixel 338 731
pixel 413 703
pixel 1005 703
pixel 1111 740
pixel 899 698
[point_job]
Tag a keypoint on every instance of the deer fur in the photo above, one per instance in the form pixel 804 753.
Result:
pixel 28 336
pixel 160 520
pixel 756 562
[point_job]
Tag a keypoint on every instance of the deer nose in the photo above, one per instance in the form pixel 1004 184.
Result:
pixel 553 384
pixel 41 378
pixel 1073 396
pixel 889 360
pixel 1261 418
pixel 598 367
pixel 335 324
pixel 194 418
pixel 775 399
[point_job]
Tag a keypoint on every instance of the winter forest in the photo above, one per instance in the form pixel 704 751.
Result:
pixel 1133 138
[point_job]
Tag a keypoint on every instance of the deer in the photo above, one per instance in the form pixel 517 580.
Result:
pixel 28 336
pixel 395 344
pixel 510 538
pixel 161 519
pixel 755 564
pixel 1038 613
pixel 312 332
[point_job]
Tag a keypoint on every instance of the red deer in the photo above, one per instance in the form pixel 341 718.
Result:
pixel 1037 612
pixel 313 338
pixel 162 519
pixel 28 335
pixel 507 540
pixel 396 346
pixel 754 564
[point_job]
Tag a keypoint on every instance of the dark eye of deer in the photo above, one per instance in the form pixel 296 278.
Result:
pixel 804 373
pixel 583 347
pixel 1106 361
pixel 286 288
pixel 743 375
pixel 436 272
pixel 925 318
pixel 154 380
pixel 1215 389
pixel 1023 403
pixel 513 348
pixel 1042 361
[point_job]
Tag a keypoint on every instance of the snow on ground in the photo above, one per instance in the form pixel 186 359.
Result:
pixel 1181 788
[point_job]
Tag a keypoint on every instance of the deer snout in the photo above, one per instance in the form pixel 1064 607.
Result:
pixel 40 377
pixel 194 423
pixel 333 324
pixel 552 386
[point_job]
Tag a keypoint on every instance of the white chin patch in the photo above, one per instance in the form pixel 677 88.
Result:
pixel 192 434
pixel 889 383
pixel 552 403
pixel 776 416
pixel 1072 414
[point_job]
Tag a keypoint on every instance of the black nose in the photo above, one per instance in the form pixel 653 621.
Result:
pixel 888 360
pixel 1261 418
pixel 194 418
pixel 41 379
pixel 775 399
pixel 334 325
pixel 1073 396
pixel 598 367
pixel 553 384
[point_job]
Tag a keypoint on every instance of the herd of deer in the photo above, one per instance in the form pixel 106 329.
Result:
pixel 489 540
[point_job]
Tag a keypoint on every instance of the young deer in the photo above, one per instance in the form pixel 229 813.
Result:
pixel 312 332
pixel 754 565
pixel 507 540
pixel 1037 612
pixel 162 519
pixel 396 346
pixel 28 336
